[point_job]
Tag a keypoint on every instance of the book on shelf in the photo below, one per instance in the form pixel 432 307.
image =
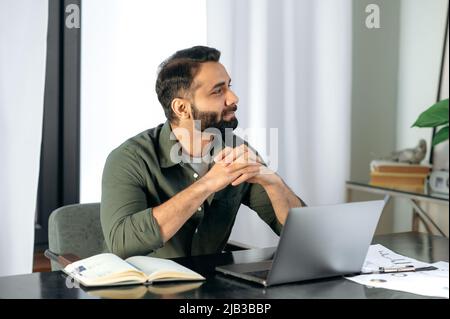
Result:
pixel 111 270
pixel 400 187
pixel 401 181
pixel 382 166
pixel 398 178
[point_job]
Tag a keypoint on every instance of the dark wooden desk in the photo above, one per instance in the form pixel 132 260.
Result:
pixel 54 284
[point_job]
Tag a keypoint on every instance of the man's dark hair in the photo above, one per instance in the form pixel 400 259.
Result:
pixel 176 74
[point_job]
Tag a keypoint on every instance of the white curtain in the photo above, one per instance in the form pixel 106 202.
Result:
pixel 123 42
pixel 23 38
pixel 290 62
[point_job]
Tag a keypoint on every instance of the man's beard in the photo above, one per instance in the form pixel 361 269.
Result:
pixel 210 120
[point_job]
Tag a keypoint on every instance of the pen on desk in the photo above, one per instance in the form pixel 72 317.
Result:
pixel 62 260
pixel 385 270
pixel 390 270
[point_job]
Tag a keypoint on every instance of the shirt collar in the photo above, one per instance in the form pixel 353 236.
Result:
pixel 167 141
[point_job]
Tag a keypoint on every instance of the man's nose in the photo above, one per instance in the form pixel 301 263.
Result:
pixel 231 98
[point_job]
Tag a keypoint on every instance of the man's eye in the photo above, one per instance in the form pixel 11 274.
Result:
pixel 218 91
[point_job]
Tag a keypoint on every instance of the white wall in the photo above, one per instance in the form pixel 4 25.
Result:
pixel 441 151
pixel 422 27
pixel 123 42
pixel 23 39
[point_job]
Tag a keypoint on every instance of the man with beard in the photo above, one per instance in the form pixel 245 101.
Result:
pixel 175 190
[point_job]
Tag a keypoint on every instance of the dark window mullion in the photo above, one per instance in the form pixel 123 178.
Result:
pixel 59 166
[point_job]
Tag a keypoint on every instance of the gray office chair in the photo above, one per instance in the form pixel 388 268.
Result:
pixel 76 229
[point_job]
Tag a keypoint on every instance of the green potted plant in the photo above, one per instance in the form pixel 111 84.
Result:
pixel 435 116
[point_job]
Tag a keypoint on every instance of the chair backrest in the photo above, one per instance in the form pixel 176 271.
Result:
pixel 76 229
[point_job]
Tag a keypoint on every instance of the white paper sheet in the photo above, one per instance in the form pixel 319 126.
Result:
pixel 434 283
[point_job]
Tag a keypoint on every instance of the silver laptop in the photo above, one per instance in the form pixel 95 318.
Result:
pixel 316 242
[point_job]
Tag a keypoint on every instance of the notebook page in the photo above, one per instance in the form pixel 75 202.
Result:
pixel 151 265
pixel 99 266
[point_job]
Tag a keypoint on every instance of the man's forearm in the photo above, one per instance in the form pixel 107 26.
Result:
pixel 282 199
pixel 172 214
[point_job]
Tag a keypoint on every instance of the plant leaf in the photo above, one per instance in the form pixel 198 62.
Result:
pixel 441 136
pixel 435 115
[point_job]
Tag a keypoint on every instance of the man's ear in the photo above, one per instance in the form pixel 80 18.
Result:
pixel 181 108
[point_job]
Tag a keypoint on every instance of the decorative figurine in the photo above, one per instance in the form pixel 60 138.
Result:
pixel 409 155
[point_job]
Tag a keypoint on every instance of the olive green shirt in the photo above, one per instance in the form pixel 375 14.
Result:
pixel 140 175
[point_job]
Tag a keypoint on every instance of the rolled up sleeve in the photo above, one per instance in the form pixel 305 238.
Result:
pixel 257 199
pixel 126 213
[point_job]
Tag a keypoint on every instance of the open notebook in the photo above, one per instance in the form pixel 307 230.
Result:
pixel 110 270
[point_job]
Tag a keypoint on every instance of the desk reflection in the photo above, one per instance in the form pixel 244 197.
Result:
pixel 158 291
pixel 329 288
